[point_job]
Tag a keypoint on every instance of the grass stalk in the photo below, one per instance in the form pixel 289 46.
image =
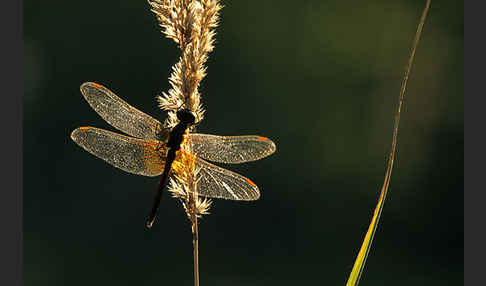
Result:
pixel 195 244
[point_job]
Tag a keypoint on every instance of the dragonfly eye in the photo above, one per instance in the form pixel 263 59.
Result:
pixel 186 116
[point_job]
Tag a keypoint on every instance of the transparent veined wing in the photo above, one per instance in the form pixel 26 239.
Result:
pixel 137 156
pixel 121 115
pixel 216 182
pixel 231 149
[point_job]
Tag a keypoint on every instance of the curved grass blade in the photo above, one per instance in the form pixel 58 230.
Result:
pixel 368 240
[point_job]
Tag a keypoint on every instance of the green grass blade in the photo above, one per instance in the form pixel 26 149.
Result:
pixel 359 264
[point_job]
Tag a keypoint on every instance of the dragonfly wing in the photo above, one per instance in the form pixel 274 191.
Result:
pixel 216 182
pixel 121 115
pixel 231 149
pixel 138 156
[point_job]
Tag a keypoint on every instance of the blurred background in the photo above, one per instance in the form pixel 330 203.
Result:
pixel 320 78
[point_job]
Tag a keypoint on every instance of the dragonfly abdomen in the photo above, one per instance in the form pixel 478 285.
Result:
pixel 186 119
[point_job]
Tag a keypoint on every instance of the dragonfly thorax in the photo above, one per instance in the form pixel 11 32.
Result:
pixel 186 116
pixel 186 119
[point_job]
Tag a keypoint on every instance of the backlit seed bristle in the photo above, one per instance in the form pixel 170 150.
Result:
pixel 177 190
pixel 203 206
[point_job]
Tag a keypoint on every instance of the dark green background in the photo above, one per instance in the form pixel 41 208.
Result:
pixel 320 78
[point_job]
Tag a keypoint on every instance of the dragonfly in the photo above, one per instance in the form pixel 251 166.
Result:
pixel 149 148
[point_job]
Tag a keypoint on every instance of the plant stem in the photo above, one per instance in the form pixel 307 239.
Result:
pixel 195 243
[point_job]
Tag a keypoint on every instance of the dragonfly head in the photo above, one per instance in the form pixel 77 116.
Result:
pixel 186 116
